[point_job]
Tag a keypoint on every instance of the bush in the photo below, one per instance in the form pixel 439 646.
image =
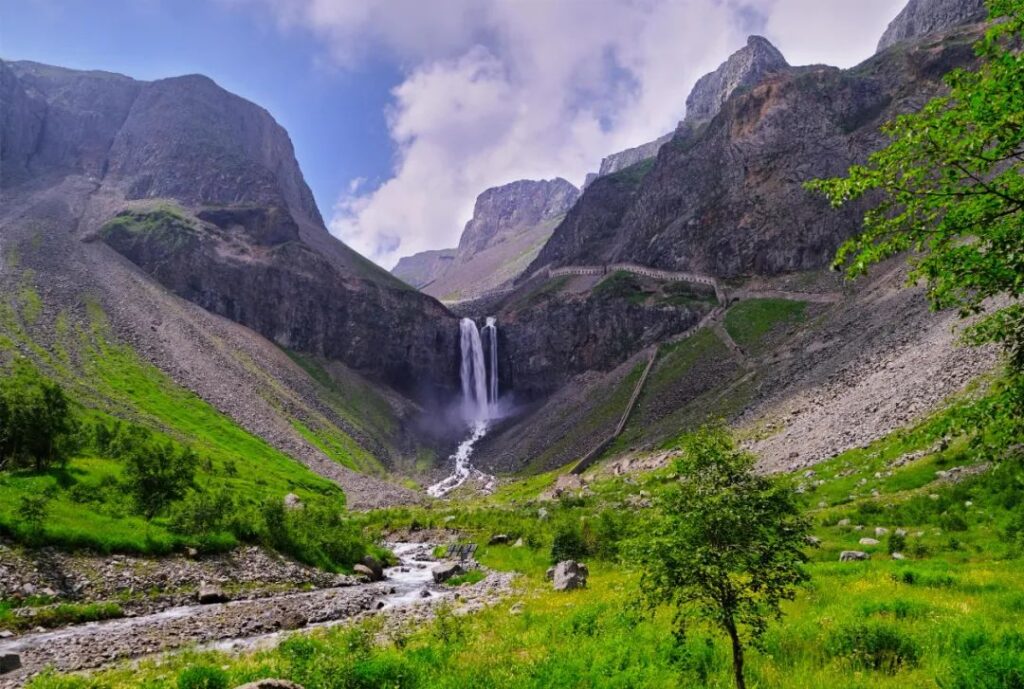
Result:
pixel 157 474
pixel 873 646
pixel 202 512
pixel 318 534
pixel 202 677
pixel 897 543
pixel 989 666
pixel 568 544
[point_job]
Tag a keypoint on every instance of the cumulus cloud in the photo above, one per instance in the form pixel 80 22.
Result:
pixel 499 90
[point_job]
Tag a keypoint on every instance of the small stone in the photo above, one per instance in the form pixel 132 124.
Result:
pixel 853 555
pixel 293 502
pixel 899 556
pixel 208 594
pixel 843 522
pixel 881 530
pixel 498 539
pixel 868 541
pixel 9 662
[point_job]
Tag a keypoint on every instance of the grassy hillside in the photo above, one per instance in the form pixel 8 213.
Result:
pixel 946 616
pixel 86 503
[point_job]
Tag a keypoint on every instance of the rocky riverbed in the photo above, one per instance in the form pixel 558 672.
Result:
pixel 407 595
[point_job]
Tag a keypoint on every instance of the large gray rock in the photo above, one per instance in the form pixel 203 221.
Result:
pixel 853 556
pixel 924 17
pixel 569 574
pixel 744 68
pixel 446 570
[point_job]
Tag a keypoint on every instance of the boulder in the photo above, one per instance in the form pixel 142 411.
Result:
pixel 853 555
pixel 843 522
pixel 363 571
pixel 899 556
pixel 375 567
pixel 498 539
pixel 518 543
pixel 9 662
pixel 569 575
pixel 868 541
pixel 270 684
pixel 293 502
pixel 813 541
pixel 446 570
pixel 208 593
pixel 881 531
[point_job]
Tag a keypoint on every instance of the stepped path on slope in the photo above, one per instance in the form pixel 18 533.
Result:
pixel 711 318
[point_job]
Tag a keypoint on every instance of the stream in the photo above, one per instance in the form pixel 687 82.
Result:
pixel 242 624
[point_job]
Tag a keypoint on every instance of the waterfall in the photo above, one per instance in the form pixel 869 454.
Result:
pixel 491 329
pixel 473 372
pixel 479 399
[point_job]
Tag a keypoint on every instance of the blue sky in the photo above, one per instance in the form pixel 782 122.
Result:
pixel 334 115
pixel 403 111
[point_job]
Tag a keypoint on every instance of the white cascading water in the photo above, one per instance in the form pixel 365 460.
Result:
pixel 479 399
pixel 491 329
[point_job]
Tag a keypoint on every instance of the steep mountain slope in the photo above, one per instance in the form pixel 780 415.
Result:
pixel 200 192
pixel 423 268
pixel 726 198
pixel 510 224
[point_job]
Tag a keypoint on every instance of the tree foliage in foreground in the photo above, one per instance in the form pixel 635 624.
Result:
pixel 726 545
pixel 949 189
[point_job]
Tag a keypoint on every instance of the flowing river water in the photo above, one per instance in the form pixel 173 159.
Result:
pixel 408 591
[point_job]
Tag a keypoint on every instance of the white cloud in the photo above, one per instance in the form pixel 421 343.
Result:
pixel 499 90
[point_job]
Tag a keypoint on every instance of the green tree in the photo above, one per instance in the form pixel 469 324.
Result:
pixel 157 474
pixel 36 425
pixel 33 510
pixel 949 189
pixel 726 544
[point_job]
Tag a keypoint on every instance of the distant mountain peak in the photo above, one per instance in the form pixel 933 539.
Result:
pixel 746 67
pixel 923 17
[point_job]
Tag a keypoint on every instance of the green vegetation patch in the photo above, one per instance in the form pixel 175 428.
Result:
pixel 164 225
pixel 622 285
pixel 750 322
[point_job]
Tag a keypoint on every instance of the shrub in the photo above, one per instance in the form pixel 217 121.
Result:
pixel 989 666
pixel 33 510
pixel 202 677
pixel 36 425
pixel 202 512
pixel 319 534
pixel 568 544
pixel 873 646
pixel 897 543
pixel 157 474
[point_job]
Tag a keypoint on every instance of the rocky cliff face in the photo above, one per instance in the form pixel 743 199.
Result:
pixel 744 68
pixel 727 198
pixel 923 17
pixel 501 211
pixel 423 268
pixel 242 236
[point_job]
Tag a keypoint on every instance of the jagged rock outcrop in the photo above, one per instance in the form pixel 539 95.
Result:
pixel 744 68
pixel 632 156
pixel 423 268
pixel 923 17
pixel 242 238
pixel 728 199
pixel 510 224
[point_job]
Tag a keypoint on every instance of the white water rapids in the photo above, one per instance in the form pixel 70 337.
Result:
pixel 479 399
